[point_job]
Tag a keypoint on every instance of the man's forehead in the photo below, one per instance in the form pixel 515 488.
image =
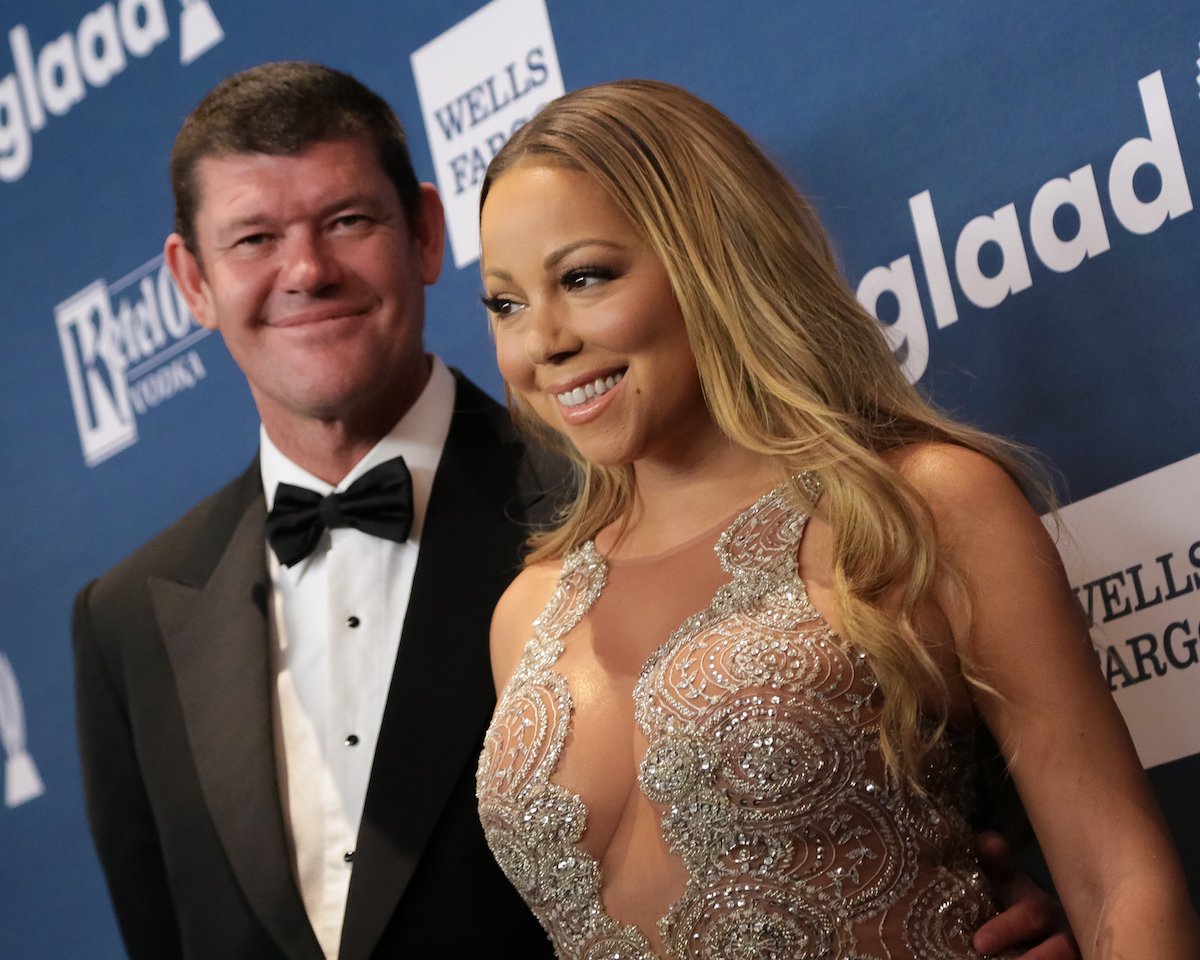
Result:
pixel 339 149
pixel 318 169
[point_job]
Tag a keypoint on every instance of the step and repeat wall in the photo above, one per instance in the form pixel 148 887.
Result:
pixel 1011 189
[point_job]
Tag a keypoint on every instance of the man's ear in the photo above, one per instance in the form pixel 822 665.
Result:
pixel 189 277
pixel 429 233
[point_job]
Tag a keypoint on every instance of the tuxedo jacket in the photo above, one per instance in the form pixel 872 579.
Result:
pixel 174 695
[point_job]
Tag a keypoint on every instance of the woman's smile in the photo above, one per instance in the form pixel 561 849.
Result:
pixel 588 331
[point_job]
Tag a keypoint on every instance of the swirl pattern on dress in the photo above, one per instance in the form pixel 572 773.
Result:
pixel 764 762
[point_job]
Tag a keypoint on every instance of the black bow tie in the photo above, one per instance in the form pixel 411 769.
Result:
pixel 379 503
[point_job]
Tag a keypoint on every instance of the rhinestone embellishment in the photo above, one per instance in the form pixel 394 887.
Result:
pixel 763 759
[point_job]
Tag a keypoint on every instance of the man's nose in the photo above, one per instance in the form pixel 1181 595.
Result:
pixel 311 263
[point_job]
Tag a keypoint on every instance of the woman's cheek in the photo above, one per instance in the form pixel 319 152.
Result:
pixel 510 359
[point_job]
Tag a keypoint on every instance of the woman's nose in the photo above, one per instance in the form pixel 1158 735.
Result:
pixel 550 339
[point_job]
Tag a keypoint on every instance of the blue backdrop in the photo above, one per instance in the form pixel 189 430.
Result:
pixel 117 413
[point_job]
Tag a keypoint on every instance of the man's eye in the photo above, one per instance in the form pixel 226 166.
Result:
pixel 253 239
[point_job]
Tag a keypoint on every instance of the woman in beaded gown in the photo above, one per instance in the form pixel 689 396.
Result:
pixel 738 684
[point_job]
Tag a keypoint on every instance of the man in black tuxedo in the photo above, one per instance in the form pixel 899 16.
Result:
pixel 230 705
pixel 282 698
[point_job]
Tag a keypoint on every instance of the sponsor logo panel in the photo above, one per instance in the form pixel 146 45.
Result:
pixel 1133 556
pixel 478 83
pixel 127 347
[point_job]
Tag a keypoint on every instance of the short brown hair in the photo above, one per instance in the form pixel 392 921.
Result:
pixel 281 109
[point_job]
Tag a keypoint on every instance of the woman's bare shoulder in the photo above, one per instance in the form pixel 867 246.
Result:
pixel 982 518
pixel 964 489
pixel 949 476
pixel 517 608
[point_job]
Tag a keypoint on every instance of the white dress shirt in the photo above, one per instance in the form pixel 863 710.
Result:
pixel 335 622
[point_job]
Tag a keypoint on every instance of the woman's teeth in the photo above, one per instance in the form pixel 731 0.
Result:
pixel 599 386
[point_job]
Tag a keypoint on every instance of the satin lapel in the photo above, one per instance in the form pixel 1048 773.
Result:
pixel 216 639
pixel 441 696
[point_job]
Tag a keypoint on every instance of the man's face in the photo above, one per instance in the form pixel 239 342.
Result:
pixel 315 279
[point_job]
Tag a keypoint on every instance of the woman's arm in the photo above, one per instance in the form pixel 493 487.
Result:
pixel 1070 755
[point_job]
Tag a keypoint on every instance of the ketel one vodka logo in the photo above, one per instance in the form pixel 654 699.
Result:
pixel 127 347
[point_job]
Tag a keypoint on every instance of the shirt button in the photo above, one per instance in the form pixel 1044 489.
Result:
pixel 352 622
pixel 348 856
pixel 352 740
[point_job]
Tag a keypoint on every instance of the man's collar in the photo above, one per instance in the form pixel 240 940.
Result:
pixel 418 436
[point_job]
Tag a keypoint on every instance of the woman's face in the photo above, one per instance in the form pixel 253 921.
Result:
pixel 586 325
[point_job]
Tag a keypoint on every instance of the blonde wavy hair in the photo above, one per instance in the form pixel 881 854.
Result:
pixel 790 364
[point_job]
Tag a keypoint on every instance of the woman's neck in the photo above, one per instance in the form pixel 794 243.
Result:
pixel 673 502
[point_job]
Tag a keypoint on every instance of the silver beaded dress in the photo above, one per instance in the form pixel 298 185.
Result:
pixel 763 763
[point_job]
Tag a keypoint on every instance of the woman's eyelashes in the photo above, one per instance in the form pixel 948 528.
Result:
pixel 587 275
pixel 573 280
pixel 499 306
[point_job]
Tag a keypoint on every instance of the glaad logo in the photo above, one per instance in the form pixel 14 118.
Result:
pixel 21 780
pixel 57 77
pixel 126 355
pixel 908 334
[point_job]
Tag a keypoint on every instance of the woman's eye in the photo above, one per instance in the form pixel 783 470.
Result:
pixel 583 277
pixel 499 306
